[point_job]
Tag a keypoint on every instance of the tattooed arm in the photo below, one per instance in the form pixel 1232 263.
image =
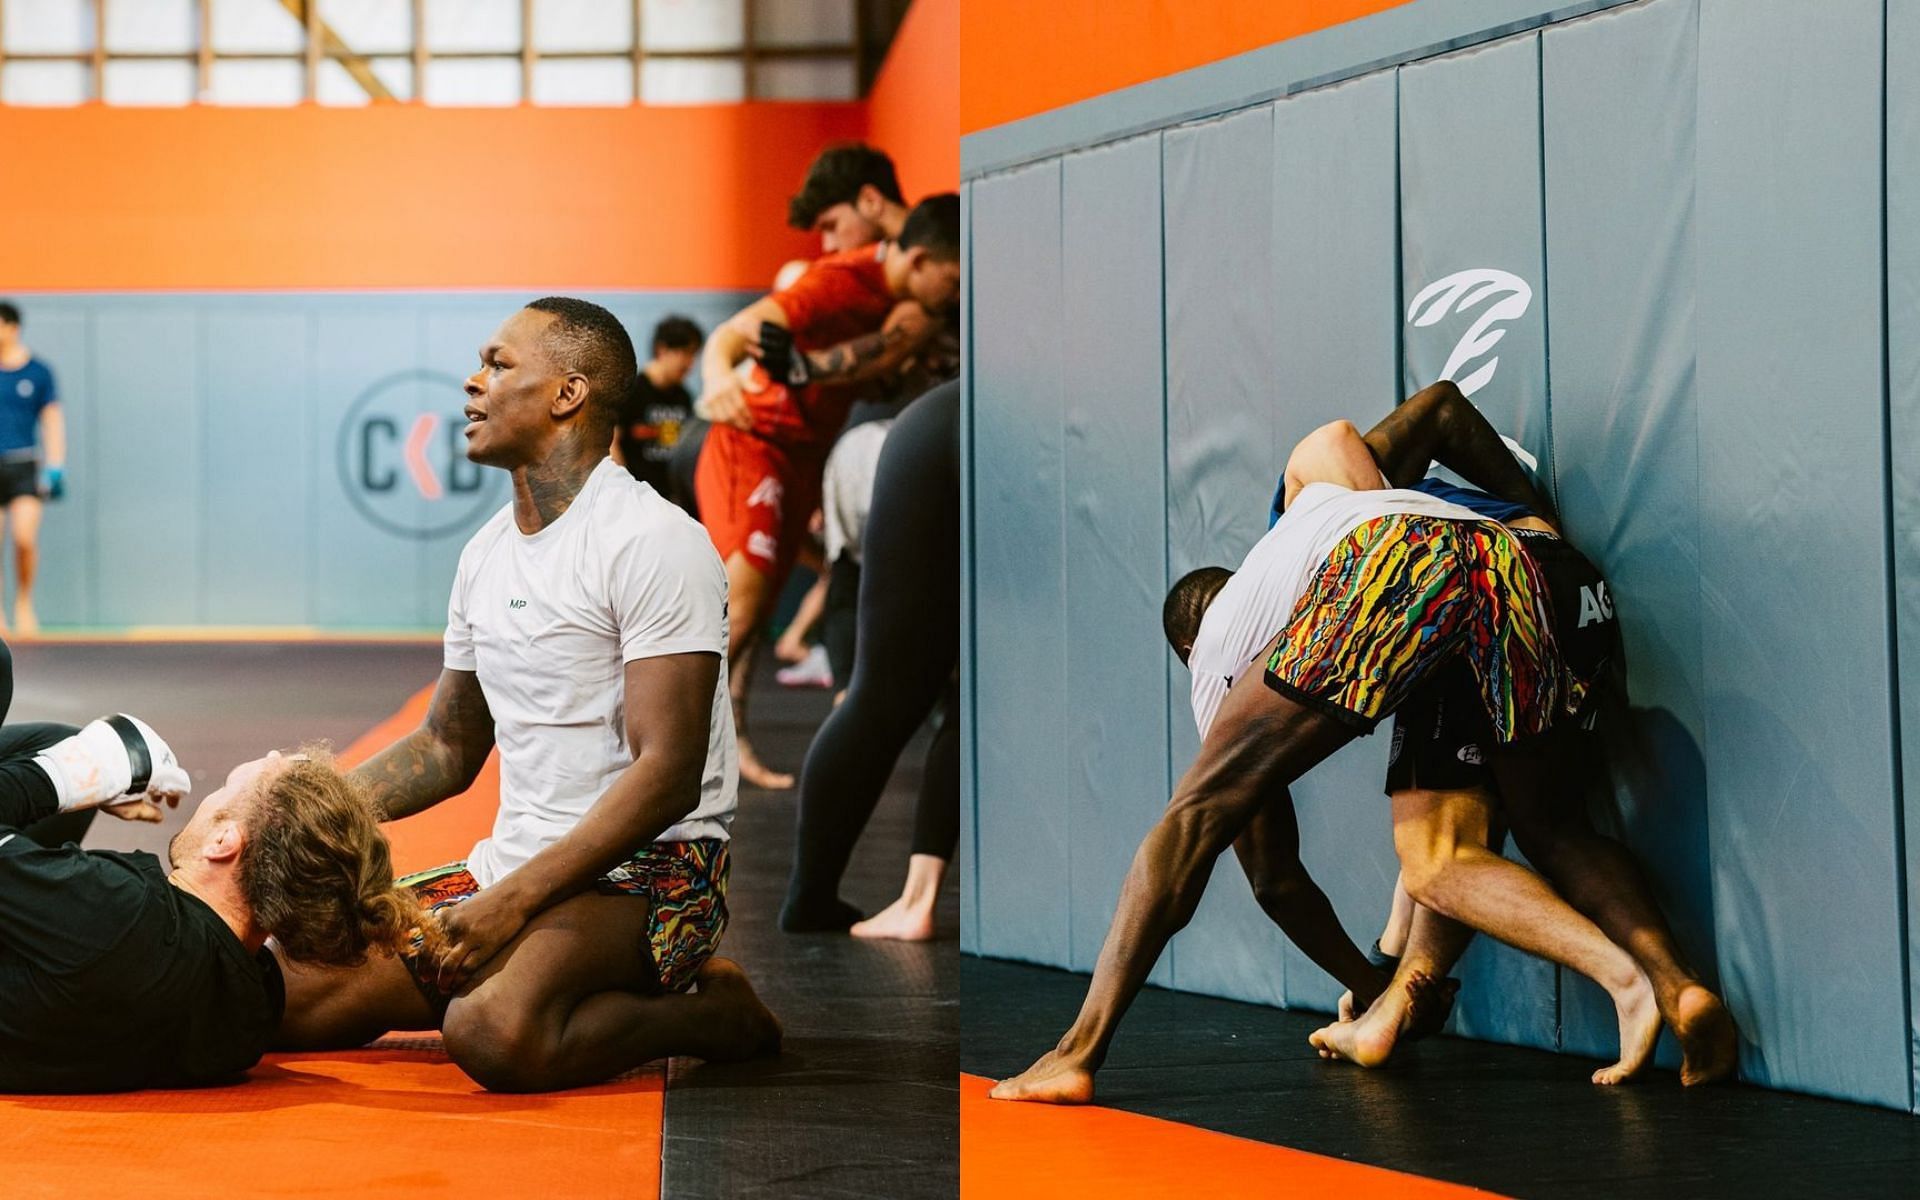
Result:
pixel 440 759
pixel 875 355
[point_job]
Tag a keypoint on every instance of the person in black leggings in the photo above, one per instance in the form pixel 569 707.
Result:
pixel 906 651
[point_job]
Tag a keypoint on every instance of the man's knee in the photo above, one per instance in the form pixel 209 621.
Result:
pixel 1426 847
pixel 1281 888
pixel 501 1047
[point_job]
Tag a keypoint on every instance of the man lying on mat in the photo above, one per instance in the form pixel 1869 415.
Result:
pixel 118 973
pixel 586 638
pixel 1374 591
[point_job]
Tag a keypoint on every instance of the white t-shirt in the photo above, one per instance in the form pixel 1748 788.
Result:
pixel 846 492
pixel 1259 600
pixel 548 622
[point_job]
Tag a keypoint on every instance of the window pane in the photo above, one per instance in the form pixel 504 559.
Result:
pixel 473 81
pixel 335 86
pixel 48 26
pixel 44 83
pixel 803 22
pixel 583 81
pixel 805 79
pixel 693 24
pixel 456 25
pixel 150 83
pixel 151 25
pixel 257 83
pixel 583 25
pixel 370 26
pixel 693 81
pixel 256 27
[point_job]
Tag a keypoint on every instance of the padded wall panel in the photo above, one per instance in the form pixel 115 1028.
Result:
pixel 1620 265
pixel 1221 438
pixel 258 502
pixel 1336 289
pixel 1116 532
pixel 1903 332
pixel 1474 310
pixel 1802 798
pixel 1020 627
pixel 969 665
pixel 150 463
pixel 1471 233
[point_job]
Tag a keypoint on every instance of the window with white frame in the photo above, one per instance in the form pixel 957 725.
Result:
pixel 439 52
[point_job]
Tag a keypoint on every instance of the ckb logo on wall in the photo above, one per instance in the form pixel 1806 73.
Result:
pixel 1500 297
pixel 403 458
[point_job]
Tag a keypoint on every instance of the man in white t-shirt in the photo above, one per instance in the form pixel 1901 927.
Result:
pixel 1372 590
pixel 586 639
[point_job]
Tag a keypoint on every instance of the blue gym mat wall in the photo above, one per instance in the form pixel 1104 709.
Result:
pixel 240 459
pixel 1692 226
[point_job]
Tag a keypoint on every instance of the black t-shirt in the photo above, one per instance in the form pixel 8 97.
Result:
pixel 651 429
pixel 113 979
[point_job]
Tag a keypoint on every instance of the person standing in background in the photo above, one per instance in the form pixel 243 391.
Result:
pixel 30 422
pixel 658 410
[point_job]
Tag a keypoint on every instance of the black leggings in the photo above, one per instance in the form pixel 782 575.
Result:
pixel 905 654
pixel 24 787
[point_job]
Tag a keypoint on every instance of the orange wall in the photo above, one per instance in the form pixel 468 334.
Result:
pixel 1020 58
pixel 915 102
pixel 405 196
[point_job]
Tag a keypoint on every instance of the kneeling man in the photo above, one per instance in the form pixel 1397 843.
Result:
pixel 586 638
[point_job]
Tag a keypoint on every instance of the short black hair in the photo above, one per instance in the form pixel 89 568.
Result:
pixel 676 332
pixel 587 338
pixel 9 313
pixel 935 224
pixel 836 177
pixel 1187 603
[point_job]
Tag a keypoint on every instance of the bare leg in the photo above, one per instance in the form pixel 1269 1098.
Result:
pixel 792 646
pixel 750 594
pixel 1393 938
pixel 338 1008
pixel 1269 853
pixel 1441 838
pixel 910 918
pixel 1260 743
pixel 23 514
pixel 570 1002
pixel 1601 879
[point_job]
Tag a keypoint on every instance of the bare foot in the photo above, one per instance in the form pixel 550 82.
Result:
pixel 1639 1030
pixel 755 773
pixel 1369 1040
pixel 1709 1046
pixel 741 1027
pixel 898 922
pixel 1052 1080
pixel 25 622
pixel 790 650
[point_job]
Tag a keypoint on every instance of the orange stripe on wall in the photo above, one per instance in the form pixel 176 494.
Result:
pixel 915 101
pixel 406 196
pixel 1020 58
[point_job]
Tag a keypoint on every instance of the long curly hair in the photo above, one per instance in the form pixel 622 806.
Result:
pixel 317 871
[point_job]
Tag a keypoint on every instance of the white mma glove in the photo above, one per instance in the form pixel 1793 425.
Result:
pixel 111 759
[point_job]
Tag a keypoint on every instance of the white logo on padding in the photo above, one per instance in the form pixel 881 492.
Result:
pixel 1458 293
pixel 1595 605
pixel 1470 754
pixel 25 387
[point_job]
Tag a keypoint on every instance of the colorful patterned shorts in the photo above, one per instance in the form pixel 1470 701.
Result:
pixel 1403 594
pixel 687 882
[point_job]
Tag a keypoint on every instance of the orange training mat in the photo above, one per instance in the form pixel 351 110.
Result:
pixel 1009 1151
pixel 397 1120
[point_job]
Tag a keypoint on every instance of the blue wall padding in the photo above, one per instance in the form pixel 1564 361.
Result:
pixel 206 437
pixel 1116 542
pixel 1221 439
pixel 1719 369
pixel 970 678
pixel 1336 288
pixel 1903 331
pixel 1470 202
pixel 1619 172
pixel 1466 121
pixel 1801 793
pixel 1019 554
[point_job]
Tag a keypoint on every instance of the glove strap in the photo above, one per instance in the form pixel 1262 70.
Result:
pixel 137 753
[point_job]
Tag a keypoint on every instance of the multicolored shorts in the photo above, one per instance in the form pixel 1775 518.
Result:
pixel 686 881
pixel 1403 594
